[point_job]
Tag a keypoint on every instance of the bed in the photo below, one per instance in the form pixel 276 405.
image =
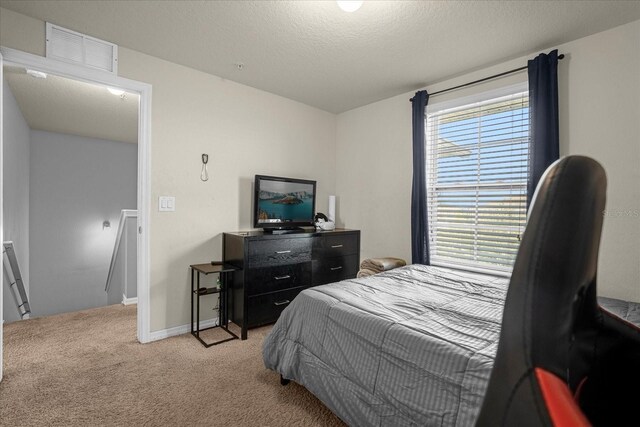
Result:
pixel 410 346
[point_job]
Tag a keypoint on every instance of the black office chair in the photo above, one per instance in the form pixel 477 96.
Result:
pixel 562 360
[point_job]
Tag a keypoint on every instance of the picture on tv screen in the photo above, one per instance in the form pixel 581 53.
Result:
pixel 280 201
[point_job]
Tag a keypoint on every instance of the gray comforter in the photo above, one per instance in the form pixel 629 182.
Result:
pixel 411 346
pixel 629 311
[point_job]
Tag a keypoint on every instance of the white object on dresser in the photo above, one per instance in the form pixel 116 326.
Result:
pixel 332 209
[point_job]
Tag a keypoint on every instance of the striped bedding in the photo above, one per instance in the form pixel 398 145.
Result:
pixel 629 311
pixel 411 346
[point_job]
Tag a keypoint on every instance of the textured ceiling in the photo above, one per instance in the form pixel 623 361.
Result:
pixel 58 104
pixel 315 53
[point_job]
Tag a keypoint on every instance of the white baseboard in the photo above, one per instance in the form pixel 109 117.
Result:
pixel 129 301
pixel 179 330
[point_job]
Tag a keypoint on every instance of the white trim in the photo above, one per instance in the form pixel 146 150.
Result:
pixel 179 330
pixel 124 214
pixel 129 301
pixel 73 71
pixel 478 97
pixel 1 217
pixel 144 213
pixel 76 72
pixel 460 104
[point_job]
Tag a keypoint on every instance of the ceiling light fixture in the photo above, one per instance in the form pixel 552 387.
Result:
pixel 349 5
pixel 37 74
pixel 114 91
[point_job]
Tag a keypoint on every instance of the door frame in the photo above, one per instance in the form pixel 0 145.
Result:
pixel 103 78
pixel 1 211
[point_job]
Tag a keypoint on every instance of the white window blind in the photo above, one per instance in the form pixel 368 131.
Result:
pixel 477 160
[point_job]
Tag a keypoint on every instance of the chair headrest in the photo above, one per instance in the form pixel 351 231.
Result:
pixel 551 304
pixel 555 269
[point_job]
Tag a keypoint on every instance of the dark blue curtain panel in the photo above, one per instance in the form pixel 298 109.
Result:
pixel 419 217
pixel 544 147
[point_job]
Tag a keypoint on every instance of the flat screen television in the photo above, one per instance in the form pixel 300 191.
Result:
pixel 283 203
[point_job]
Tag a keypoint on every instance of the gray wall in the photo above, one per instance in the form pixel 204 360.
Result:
pixel 76 183
pixel 15 158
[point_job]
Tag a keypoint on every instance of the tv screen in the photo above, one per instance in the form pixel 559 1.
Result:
pixel 283 202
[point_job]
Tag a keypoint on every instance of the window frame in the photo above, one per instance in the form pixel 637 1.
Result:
pixel 455 103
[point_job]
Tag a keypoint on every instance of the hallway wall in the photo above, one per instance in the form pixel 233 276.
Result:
pixel 76 183
pixel 15 159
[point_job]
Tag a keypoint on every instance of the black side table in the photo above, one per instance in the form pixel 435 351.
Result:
pixel 196 292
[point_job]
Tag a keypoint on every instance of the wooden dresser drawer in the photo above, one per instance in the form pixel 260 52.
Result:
pixel 266 308
pixel 270 252
pixel 274 268
pixel 270 279
pixel 336 245
pixel 329 270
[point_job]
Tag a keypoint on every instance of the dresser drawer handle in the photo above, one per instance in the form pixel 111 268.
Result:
pixel 336 268
pixel 336 246
pixel 283 302
pixel 282 277
pixel 283 252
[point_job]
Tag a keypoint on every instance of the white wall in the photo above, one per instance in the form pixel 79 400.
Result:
pixel 600 117
pixel 599 102
pixel 76 183
pixel 245 131
pixel 130 271
pixel 15 158
pixel 373 180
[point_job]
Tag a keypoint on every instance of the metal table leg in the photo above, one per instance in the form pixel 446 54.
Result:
pixel 192 296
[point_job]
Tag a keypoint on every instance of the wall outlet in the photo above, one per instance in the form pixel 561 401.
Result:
pixel 167 204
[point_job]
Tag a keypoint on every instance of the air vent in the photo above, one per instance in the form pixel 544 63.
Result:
pixel 70 46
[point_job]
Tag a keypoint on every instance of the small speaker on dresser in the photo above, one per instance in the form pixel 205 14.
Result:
pixel 332 208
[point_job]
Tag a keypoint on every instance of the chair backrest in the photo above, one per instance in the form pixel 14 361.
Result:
pixel 556 344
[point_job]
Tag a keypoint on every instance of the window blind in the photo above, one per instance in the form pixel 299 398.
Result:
pixel 477 167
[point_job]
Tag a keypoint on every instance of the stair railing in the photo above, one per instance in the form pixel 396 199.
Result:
pixel 124 214
pixel 15 279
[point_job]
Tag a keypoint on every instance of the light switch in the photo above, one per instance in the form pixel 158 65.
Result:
pixel 167 204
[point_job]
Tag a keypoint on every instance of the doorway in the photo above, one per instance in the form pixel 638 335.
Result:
pixel 70 172
pixel 21 60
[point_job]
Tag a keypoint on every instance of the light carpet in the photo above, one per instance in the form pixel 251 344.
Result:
pixel 87 368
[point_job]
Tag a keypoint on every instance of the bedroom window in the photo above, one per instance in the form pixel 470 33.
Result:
pixel 477 157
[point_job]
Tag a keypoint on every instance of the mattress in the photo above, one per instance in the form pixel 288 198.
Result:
pixel 629 311
pixel 410 346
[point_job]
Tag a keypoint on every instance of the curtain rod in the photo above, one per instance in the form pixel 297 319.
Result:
pixel 515 70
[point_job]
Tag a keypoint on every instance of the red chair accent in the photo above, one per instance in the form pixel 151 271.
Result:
pixel 564 411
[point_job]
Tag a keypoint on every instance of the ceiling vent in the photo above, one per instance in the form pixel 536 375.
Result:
pixel 70 46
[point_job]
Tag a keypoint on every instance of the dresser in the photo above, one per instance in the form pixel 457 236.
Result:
pixel 274 268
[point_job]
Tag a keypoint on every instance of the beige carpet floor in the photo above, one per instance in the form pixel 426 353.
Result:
pixel 87 369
